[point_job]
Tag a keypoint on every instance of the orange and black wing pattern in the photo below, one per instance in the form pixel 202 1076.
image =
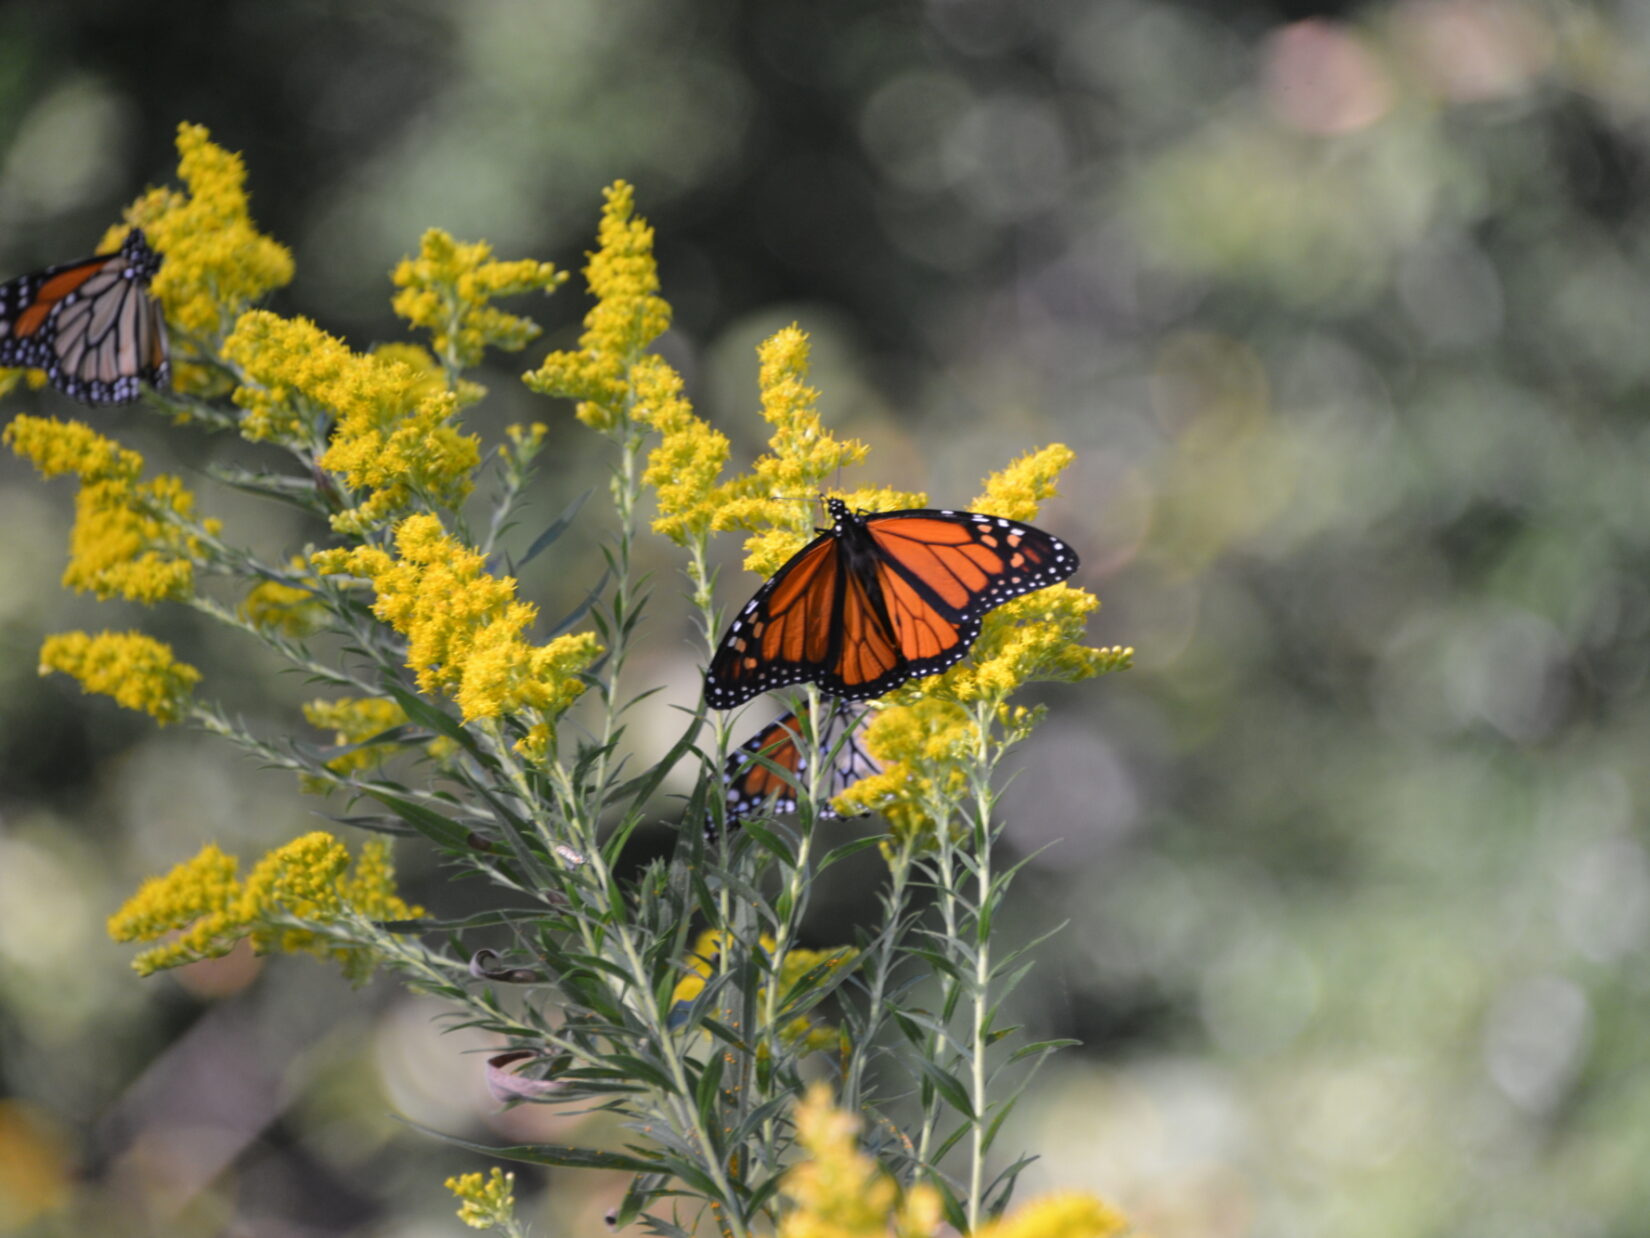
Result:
pixel 879 599
pixel 90 325
pixel 753 783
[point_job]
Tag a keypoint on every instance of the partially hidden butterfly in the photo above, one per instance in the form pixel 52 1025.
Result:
pixel 752 784
pixel 90 325
pixel 878 599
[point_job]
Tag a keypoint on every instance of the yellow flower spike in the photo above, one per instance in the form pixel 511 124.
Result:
pixel 390 417
pixel 485 1202
pixel 446 290
pixel 209 910
pixel 1018 492
pixel 137 671
pixel 216 262
pixel 775 500
pixel 199 899
pixel 463 626
pixel 9 378
pixel 839 1192
pixel 290 610
pixel 56 447
pixel 1068 1214
pixel 812 1035
pixel 127 541
pixel 627 317
pixel 686 465
pixel 924 747
pixel 352 721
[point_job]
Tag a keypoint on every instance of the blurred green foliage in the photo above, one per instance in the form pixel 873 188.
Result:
pixel 1344 318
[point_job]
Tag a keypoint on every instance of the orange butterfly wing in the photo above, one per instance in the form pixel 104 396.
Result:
pixel 881 599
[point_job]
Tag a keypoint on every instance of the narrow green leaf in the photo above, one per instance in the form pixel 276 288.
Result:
pixel 547 1153
pixel 428 822
pixel 556 528
pixel 708 1094
pixel 838 854
pixel 645 1071
pixel 949 1087
pixel 1041 1046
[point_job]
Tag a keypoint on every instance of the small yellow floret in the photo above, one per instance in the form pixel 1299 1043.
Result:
pixel 485 1202
pixel 291 610
pixel 354 720
pixel 686 466
pixel 137 671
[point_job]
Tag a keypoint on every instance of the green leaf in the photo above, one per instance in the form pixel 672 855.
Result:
pixel 428 822
pixel 556 528
pixel 547 1153
pixel 567 622
pixel 772 843
pixel 838 854
pixel 645 1071
pixel 708 1095
pixel 948 1086
pixel 1042 1046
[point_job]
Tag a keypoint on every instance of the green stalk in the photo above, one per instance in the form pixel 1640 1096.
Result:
pixel 984 801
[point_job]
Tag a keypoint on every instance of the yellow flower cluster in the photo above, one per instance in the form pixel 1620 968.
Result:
pixel 128 539
pixel 1067 1214
pixel 36 379
pixel 463 626
pixel 485 1202
pixel 352 721
pixel 775 500
pixel 627 317
pixel 290 610
pixel 205 910
pixel 685 467
pixel 839 1192
pixel 389 415
pixel 924 748
pixel 216 262
pixel 446 291
pixel 701 966
pixel 138 671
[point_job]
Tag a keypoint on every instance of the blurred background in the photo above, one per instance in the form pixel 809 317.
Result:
pixel 1344 310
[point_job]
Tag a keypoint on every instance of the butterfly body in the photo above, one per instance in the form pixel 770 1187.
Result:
pixel 90 325
pixel 878 599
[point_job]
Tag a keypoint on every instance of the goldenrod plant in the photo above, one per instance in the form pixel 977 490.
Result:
pixel 674 996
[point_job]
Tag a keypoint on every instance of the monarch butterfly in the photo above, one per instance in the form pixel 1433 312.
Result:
pixel 878 599
pixel 91 325
pixel 750 783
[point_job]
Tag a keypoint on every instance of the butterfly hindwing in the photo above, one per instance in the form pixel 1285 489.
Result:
pixel 90 325
pixel 766 768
